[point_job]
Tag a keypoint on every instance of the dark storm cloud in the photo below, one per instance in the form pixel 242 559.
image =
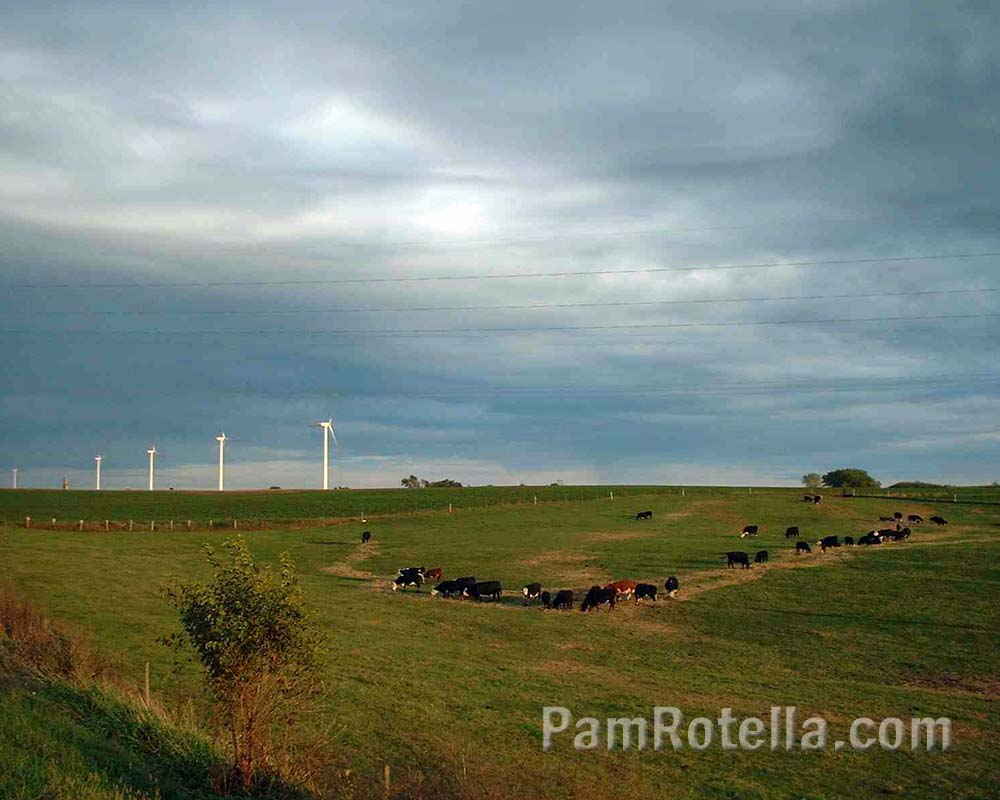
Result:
pixel 301 141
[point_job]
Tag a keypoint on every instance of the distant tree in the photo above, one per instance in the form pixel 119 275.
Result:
pixel 258 647
pixel 852 478
pixel 412 482
pixel 447 483
pixel 812 480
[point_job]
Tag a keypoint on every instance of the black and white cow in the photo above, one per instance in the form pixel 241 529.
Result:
pixel 644 515
pixel 802 547
pixel 748 530
pixel 409 577
pixel 915 519
pixel 939 520
pixel 672 585
pixel 366 537
pixel 531 592
pixel 645 591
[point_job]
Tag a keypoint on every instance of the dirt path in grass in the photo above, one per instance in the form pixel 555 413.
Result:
pixel 346 568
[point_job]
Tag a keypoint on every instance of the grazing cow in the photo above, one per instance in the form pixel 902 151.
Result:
pixel 901 536
pixel 366 537
pixel 436 574
pixel 623 589
pixel 672 585
pixel 849 541
pixel 749 530
pixel 792 533
pixel 828 541
pixel 914 519
pixel 645 591
pixel 807 498
pixel 761 557
pixel 644 515
pixel 485 589
pixel 408 570
pixel 596 597
pixel 447 589
pixel 531 592
pixel 546 599
pixel 870 538
pixel 885 533
pixel 735 557
pixel 939 520
pixel 897 515
pixel 802 547
pixel 564 600
pixel 817 499
pixel 408 579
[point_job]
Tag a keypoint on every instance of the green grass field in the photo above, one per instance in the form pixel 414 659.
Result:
pixel 450 693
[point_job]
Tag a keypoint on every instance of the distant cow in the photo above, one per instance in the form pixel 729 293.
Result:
pixel 749 530
pixel 644 515
pixel 914 519
pixel 435 574
pixel 564 600
pixel 366 537
pixel 408 579
pixel 546 599
pixel 761 557
pixel 828 541
pixel 885 533
pixel 672 585
pixel 735 558
pixel 792 533
pixel 623 588
pixel 897 515
pixel 807 498
pixel 485 589
pixel 939 520
pixel 849 541
pixel 407 570
pixel 447 588
pixel 531 592
pixel 870 538
pixel 802 547
pixel 645 591
pixel 596 597
pixel 817 499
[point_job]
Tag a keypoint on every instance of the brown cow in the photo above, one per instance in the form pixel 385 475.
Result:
pixel 624 589
pixel 435 575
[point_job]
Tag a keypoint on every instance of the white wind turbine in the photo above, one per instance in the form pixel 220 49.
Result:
pixel 328 434
pixel 221 439
pixel 97 479
pixel 151 452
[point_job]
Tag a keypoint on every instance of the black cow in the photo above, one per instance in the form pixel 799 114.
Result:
pixel 802 547
pixel 645 591
pixel 939 520
pixel 408 579
pixel 735 557
pixel 817 499
pixel 849 541
pixel 749 530
pixel 672 585
pixel 914 519
pixel 828 541
pixel 807 498
pixel 761 557
pixel 644 515
pixel 885 533
pixel 564 600
pixel 870 538
pixel 792 533
pixel 897 515
pixel 366 537
pixel 596 596
pixel 485 589
pixel 447 588
pixel 546 599
pixel 531 592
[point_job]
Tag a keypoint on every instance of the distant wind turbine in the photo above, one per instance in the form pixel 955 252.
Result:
pixel 97 481
pixel 328 434
pixel 221 439
pixel 151 452
pixel 13 474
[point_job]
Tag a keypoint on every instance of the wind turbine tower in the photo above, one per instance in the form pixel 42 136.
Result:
pixel 221 439
pixel 97 481
pixel 13 475
pixel 328 434
pixel 151 452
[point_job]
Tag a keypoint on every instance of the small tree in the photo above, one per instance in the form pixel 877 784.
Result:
pixel 812 480
pixel 852 478
pixel 257 644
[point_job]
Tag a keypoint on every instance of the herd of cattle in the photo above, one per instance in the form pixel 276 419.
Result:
pixel 613 593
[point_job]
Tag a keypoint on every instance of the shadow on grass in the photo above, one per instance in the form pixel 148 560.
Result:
pixel 334 544
pixel 133 749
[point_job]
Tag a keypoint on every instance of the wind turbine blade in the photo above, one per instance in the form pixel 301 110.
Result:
pixel 333 435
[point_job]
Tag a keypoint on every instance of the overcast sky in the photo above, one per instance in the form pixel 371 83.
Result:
pixel 184 186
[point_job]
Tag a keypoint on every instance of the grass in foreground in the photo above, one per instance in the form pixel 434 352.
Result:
pixel 450 694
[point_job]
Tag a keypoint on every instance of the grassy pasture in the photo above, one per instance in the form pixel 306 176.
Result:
pixel 450 694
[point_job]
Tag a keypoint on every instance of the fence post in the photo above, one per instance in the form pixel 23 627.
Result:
pixel 387 784
pixel 53 522
pixel 234 523
pixel 145 687
pixel 171 526
pixel 81 524
pixel 152 525
pixel 130 526
pixel 536 499
pixel 189 524
pixel 449 508
pixel 27 522
pixel 612 494
pixel 107 526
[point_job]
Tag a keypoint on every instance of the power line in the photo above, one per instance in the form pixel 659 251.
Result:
pixel 501 276
pixel 526 306
pixel 384 332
